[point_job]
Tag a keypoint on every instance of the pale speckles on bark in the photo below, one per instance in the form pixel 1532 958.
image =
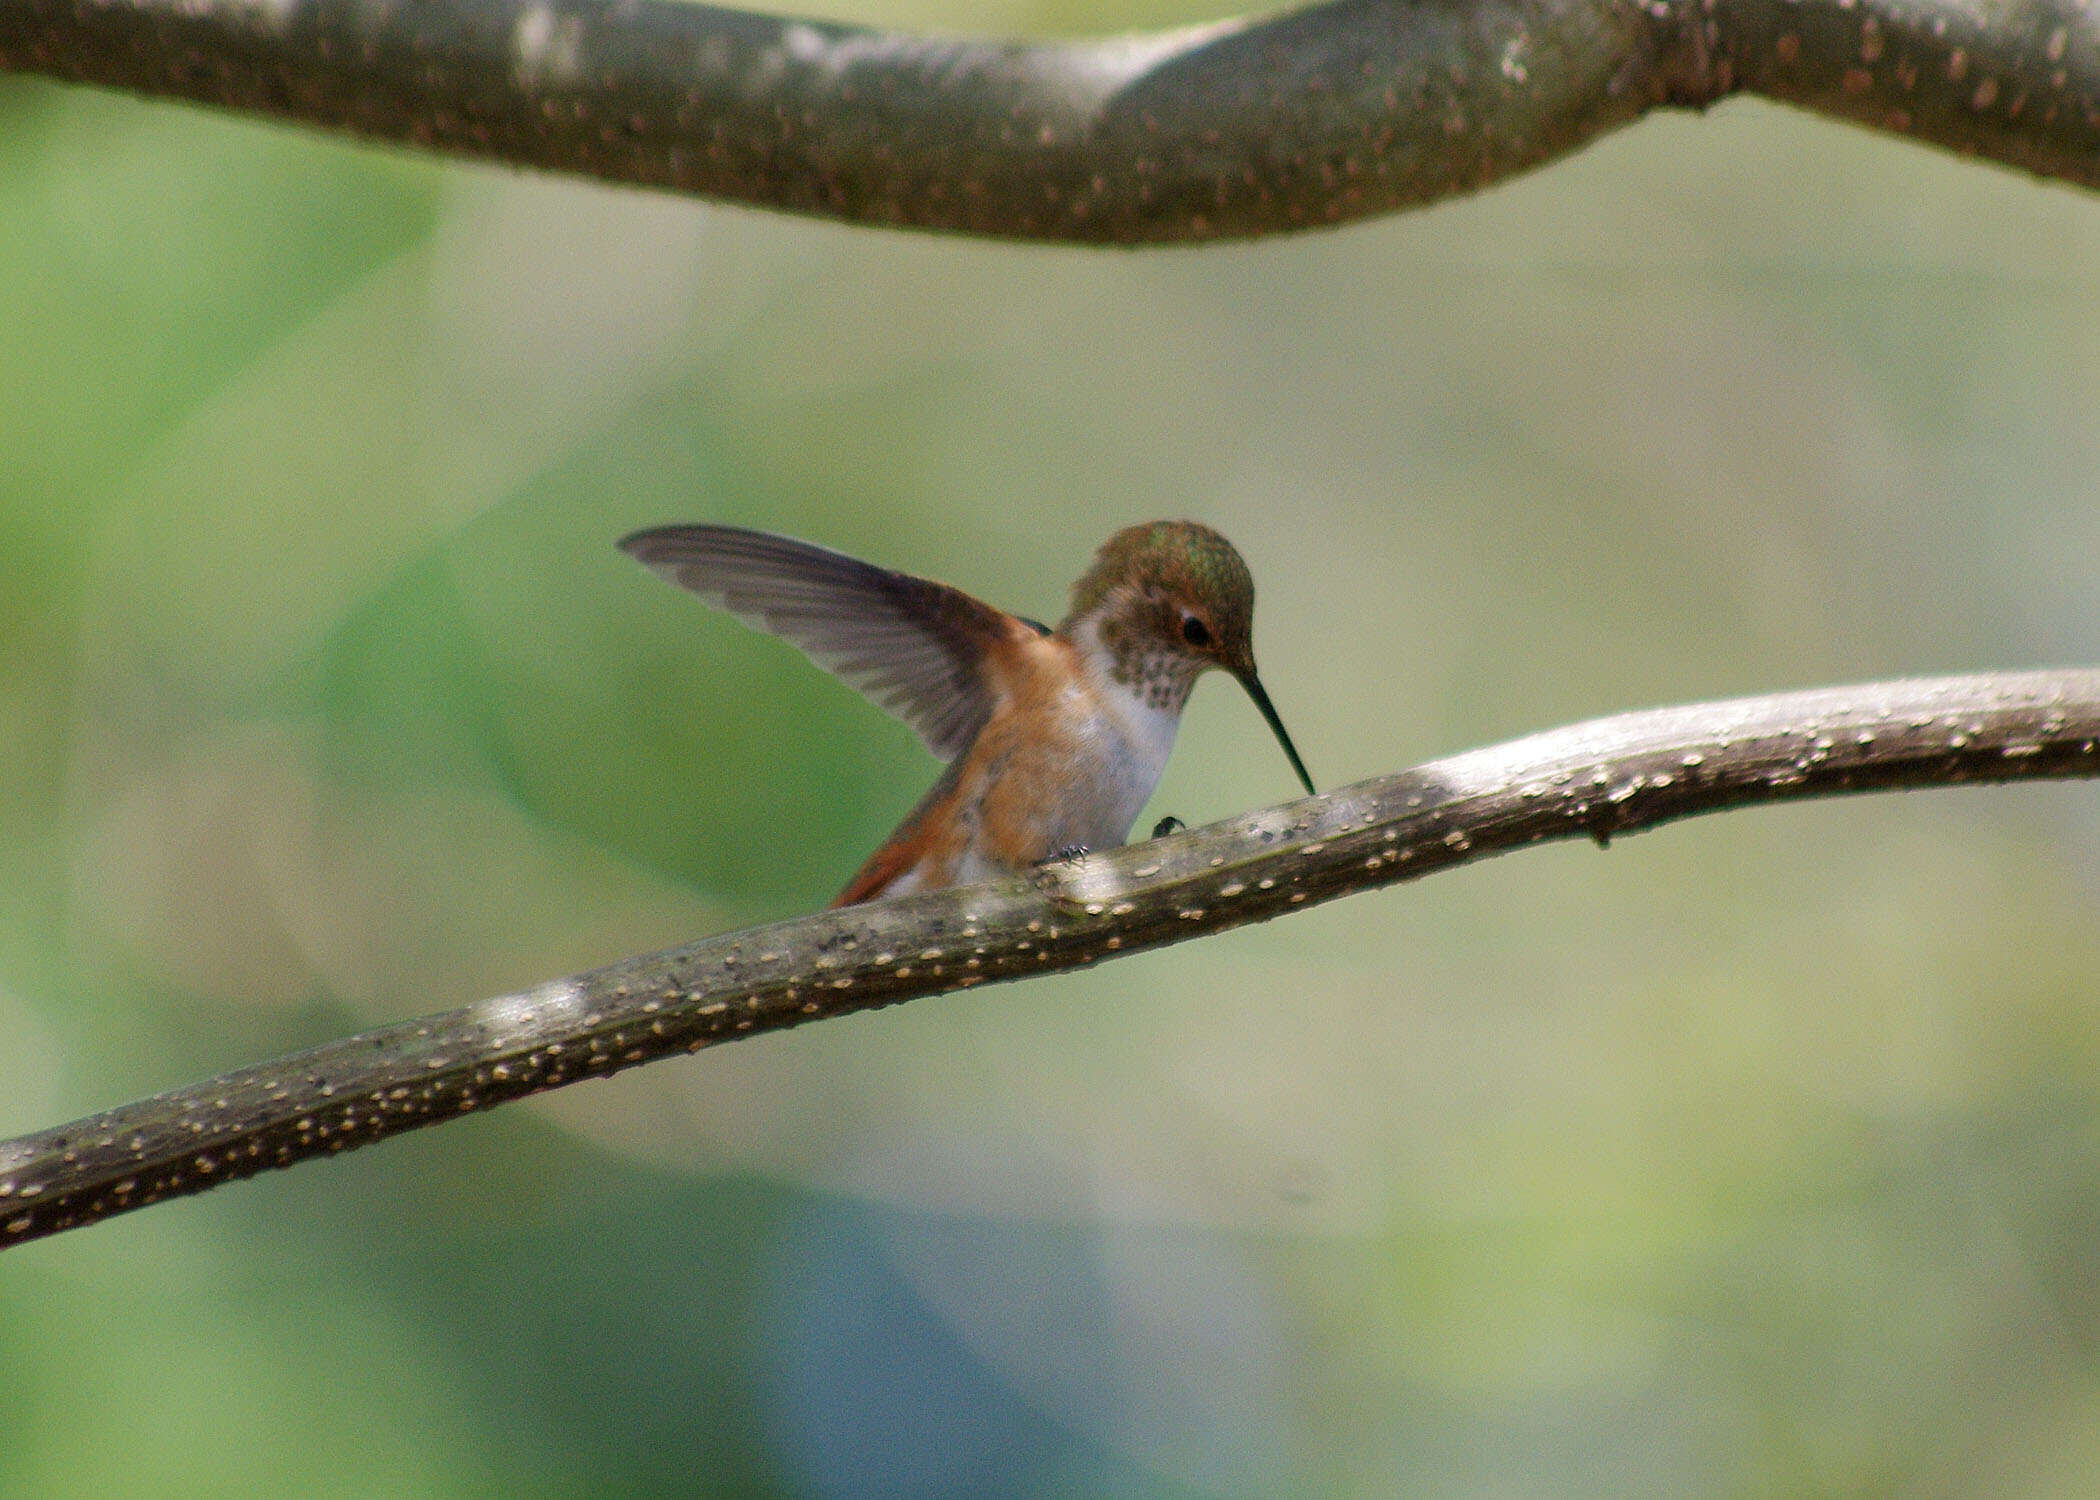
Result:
pixel 1296 119
pixel 2017 84
pixel 1597 780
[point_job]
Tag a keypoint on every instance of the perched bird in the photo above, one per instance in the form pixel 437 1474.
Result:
pixel 1054 738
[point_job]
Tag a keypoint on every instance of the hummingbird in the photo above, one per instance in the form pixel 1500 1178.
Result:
pixel 1054 739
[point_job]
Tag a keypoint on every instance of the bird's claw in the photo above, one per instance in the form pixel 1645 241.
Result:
pixel 1167 825
pixel 1071 854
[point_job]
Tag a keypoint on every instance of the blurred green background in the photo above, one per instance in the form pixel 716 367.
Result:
pixel 1759 1156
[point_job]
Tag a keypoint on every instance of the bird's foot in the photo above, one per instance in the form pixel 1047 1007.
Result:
pixel 1071 854
pixel 1167 825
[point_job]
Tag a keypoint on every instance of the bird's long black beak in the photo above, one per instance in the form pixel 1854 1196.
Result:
pixel 1253 686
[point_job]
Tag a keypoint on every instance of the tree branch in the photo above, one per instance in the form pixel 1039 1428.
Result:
pixel 1597 780
pixel 1312 116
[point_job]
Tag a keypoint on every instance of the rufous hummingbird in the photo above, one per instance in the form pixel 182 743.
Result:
pixel 1054 739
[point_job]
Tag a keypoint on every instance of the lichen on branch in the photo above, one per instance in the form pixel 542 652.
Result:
pixel 1596 780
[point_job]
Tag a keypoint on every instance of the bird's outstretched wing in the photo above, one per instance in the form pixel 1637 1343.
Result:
pixel 915 647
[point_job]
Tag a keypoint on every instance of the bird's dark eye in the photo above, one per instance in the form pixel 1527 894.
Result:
pixel 1194 631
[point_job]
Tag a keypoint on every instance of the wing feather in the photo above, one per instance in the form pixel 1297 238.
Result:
pixel 915 647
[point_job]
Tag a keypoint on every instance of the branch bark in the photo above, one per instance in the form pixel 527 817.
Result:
pixel 1313 116
pixel 1597 780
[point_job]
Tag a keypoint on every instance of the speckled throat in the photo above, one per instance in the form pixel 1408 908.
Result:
pixel 1129 631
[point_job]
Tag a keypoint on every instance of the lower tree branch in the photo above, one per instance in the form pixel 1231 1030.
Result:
pixel 1596 780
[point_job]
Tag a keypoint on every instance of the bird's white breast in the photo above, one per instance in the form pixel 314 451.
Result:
pixel 1132 741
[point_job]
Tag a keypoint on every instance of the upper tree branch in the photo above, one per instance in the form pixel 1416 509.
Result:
pixel 1314 116
pixel 1597 780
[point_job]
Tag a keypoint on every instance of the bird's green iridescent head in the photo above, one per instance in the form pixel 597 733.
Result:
pixel 1173 584
pixel 1169 600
